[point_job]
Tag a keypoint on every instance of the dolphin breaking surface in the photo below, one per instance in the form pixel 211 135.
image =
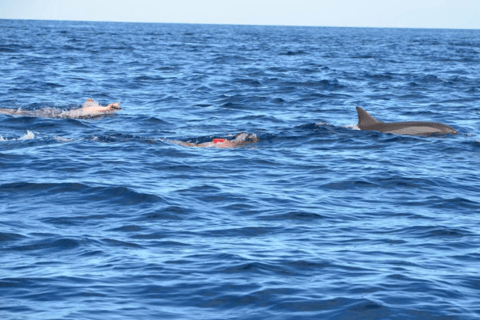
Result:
pixel 416 128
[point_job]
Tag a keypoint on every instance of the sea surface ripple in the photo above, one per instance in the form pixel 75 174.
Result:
pixel 106 218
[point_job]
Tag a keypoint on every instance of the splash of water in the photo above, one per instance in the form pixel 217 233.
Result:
pixel 27 136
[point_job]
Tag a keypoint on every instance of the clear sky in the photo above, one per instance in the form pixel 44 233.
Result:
pixel 463 14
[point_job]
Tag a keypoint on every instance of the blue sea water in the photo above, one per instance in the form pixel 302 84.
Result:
pixel 106 218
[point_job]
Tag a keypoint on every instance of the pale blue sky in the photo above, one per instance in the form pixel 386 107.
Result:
pixel 353 13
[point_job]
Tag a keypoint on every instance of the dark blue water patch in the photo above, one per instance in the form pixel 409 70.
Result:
pixel 172 212
pixel 153 122
pixel 54 126
pixel 381 77
pixel 327 85
pixel 457 202
pixel 48 246
pixel 118 195
pixel 255 118
pixel 293 53
pixel 7 237
pixel 430 232
pixel 294 216
pixel 147 78
pixel 8 49
pixel 350 185
pixel 249 82
pixel 28 187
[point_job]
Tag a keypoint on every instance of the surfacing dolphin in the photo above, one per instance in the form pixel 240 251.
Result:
pixel 416 128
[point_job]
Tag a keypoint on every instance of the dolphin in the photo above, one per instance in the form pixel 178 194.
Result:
pixel 415 128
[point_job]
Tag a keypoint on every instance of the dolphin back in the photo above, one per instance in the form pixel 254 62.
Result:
pixel 365 119
pixel 367 122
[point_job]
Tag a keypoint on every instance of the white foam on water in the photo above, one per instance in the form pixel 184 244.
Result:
pixel 351 126
pixel 62 139
pixel 27 136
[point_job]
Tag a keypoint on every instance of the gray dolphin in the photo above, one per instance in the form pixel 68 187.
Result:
pixel 416 128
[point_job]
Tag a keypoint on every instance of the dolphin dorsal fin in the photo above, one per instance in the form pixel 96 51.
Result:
pixel 364 119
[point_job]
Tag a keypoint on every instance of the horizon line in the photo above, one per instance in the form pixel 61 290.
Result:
pixel 240 24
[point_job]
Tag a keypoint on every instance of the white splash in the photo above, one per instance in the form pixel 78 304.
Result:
pixel 351 126
pixel 90 103
pixel 27 136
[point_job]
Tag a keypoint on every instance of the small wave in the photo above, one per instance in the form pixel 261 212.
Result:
pixel 149 78
pixel 119 243
pixel 249 82
pixel 327 85
pixel 112 194
pixel 49 245
pixel 294 216
pixel 349 185
pixel 430 78
pixel 168 213
pixel 434 231
pixel 51 187
pixel 363 56
pixel 10 236
pixel 379 76
pixel 54 85
pixel 250 232
pixel 152 120
pixel 9 48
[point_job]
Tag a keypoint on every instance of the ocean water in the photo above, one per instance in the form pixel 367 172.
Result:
pixel 108 218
